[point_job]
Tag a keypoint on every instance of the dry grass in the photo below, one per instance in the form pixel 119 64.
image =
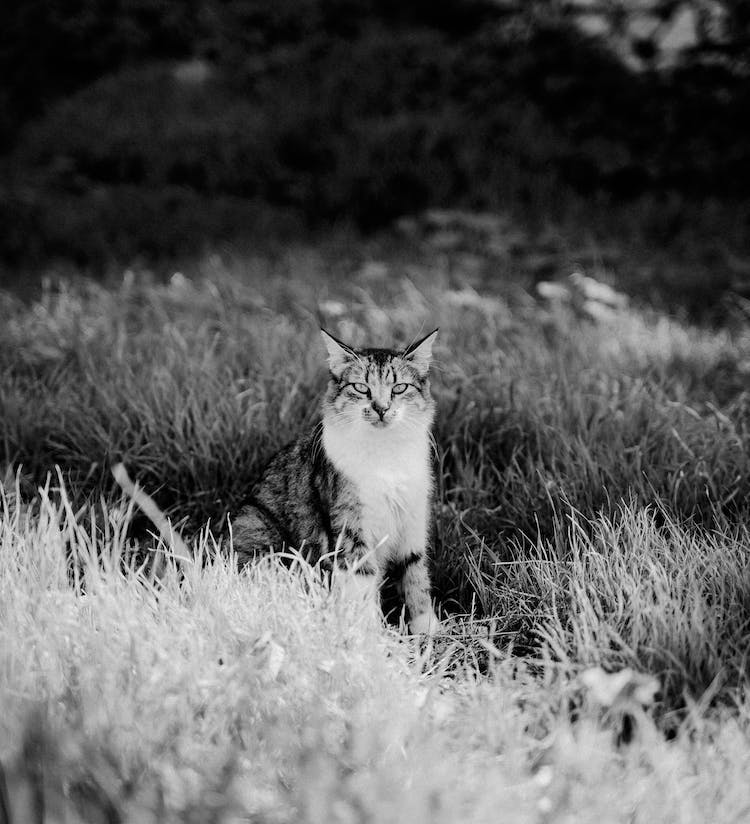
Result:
pixel 270 697
pixel 593 502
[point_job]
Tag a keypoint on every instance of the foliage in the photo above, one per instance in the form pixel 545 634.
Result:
pixel 210 696
pixel 196 383
pixel 336 113
pixel 592 510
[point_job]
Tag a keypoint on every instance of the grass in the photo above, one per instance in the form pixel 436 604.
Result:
pixel 592 510
pixel 269 697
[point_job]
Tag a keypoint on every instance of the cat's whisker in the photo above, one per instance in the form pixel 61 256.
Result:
pixel 317 442
pixel 417 429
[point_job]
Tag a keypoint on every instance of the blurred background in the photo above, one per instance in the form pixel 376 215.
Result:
pixel 590 130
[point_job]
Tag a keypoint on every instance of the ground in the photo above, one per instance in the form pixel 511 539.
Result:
pixel 592 506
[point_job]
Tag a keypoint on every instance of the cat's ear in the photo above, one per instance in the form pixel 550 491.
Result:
pixel 419 354
pixel 339 354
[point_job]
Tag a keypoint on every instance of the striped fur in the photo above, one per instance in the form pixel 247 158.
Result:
pixel 358 488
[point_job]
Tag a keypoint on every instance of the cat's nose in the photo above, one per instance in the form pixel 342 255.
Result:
pixel 381 410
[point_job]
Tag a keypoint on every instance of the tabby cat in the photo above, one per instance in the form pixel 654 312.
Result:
pixel 358 487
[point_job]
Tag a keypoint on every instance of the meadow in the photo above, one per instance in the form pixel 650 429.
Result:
pixel 593 489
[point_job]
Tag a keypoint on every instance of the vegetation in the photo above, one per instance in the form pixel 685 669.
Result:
pixel 189 129
pixel 214 697
pixel 197 187
pixel 592 510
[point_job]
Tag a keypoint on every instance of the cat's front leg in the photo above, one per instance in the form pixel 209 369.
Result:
pixel 354 559
pixel 412 575
pixel 415 585
pixel 350 547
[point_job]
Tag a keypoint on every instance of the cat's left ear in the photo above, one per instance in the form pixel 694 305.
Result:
pixel 339 354
pixel 419 354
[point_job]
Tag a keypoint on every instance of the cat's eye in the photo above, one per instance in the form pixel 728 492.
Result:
pixel 399 388
pixel 362 388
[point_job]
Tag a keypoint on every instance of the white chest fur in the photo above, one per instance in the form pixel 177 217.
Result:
pixel 390 470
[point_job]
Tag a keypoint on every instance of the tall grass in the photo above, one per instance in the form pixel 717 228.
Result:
pixel 212 696
pixel 593 489
pixel 195 383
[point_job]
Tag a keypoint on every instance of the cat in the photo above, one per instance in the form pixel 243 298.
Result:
pixel 358 488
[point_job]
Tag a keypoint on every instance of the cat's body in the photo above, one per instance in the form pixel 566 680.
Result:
pixel 358 488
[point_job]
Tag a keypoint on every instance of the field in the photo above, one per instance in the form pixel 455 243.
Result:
pixel 593 491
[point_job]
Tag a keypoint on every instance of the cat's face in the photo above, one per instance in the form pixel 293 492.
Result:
pixel 381 389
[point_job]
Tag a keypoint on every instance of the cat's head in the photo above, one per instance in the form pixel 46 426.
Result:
pixel 383 389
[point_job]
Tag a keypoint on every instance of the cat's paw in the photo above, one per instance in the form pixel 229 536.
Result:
pixel 425 624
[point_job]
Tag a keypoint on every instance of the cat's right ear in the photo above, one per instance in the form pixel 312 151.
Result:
pixel 339 354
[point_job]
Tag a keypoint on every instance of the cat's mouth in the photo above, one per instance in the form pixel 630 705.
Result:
pixel 379 423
